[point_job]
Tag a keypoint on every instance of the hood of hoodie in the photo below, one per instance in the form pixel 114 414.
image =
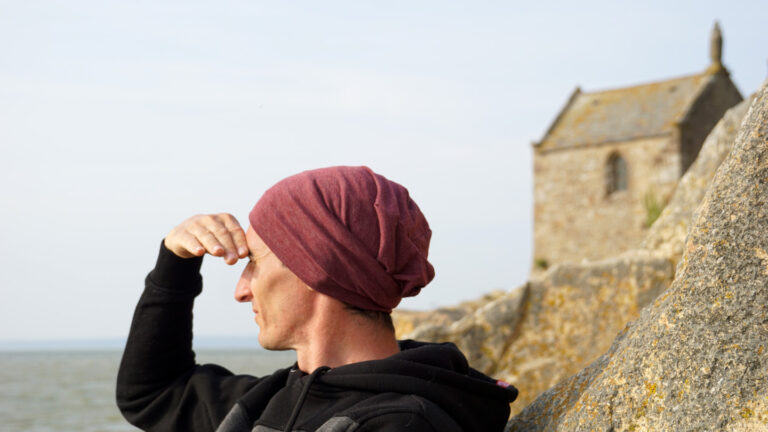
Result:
pixel 438 372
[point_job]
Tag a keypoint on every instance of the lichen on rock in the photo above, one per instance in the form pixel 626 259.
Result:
pixel 552 327
pixel 697 359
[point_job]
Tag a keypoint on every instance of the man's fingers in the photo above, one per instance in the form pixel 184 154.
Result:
pixel 238 235
pixel 191 244
pixel 217 234
pixel 182 243
pixel 208 239
pixel 226 229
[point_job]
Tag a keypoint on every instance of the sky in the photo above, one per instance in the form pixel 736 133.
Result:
pixel 119 119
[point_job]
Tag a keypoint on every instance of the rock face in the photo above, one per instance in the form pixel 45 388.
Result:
pixel 551 328
pixel 667 235
pixel 407 321
pixel 569 318
pixel 697 359
pixel 538 334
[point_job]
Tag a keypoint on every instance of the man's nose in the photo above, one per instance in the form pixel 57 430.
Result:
pixel 243 290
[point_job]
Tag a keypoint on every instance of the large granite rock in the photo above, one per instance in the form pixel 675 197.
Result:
pixel 406 321
pixel 549 329
pixel 667 235
pixel 570 317
pixel 697 359
pixel 484 334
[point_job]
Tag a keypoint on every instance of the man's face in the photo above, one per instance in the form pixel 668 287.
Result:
pixel 281 301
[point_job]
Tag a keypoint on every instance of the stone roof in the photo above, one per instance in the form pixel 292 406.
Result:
pixel 623 114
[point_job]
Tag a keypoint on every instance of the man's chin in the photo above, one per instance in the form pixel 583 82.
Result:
pixel 272 345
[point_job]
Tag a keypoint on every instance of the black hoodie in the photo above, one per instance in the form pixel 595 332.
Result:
pixel 425 387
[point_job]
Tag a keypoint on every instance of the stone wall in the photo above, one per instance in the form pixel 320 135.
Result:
pixel 719 95
pixel 575 218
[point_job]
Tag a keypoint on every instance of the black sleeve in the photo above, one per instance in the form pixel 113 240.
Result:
pixel 159 386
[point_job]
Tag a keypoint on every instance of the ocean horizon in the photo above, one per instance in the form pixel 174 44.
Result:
pixel 107 344
pixel 70 385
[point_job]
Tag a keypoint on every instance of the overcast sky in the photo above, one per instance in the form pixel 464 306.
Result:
pixel 120 119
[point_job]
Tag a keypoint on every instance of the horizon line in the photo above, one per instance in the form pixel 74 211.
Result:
pixel 118 343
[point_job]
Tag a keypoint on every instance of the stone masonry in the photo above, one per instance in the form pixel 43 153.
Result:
pixel 581 211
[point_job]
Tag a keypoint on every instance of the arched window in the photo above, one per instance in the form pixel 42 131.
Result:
pixel 615 174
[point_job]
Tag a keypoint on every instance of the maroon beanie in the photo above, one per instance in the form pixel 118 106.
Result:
pixel 348 233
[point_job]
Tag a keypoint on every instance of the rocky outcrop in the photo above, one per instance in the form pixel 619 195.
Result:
pixel 546 330
pixel 483 335
pixel 697 359
pixel 667 235
pixel 406 321
pixel 549 329
pixel 570 317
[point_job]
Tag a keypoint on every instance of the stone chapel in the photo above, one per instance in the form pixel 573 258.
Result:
pixel 611 159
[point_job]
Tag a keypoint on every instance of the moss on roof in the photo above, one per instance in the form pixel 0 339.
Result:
pixel 624 114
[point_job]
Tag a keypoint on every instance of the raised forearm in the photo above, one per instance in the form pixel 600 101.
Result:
pixel 158 352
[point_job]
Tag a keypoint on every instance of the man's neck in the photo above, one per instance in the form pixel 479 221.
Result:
pixel 342 337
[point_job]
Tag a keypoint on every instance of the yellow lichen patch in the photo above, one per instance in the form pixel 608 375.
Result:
pixel 746 413
pixel 717 247
pixel 764 257
pixel 664 321
pixel 488 352
pixel 686 388
pixel 641 411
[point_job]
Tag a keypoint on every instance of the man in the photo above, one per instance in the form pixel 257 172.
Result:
pixel 330 253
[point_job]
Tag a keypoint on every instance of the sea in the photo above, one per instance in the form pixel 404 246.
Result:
pixel 74 390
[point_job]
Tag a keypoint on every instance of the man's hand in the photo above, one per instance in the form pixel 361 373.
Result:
pixel 218 234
